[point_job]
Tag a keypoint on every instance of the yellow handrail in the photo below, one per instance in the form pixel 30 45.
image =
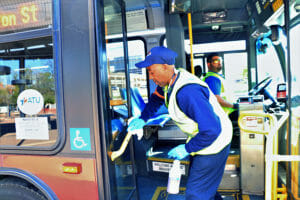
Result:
pixel 115 154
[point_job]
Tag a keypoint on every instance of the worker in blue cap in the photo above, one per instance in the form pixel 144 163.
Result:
pixel 195 109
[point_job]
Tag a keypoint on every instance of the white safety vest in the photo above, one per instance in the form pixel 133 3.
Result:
pixel 189 126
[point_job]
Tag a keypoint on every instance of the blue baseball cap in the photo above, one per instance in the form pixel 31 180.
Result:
pixel 158 55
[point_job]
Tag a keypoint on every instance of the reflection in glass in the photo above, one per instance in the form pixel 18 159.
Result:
pixel 236 74
pixel 121 174
pixel 268 65
pixel 29 68
pixel 295 97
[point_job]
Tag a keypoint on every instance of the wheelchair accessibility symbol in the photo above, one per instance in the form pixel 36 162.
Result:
pixel 80 139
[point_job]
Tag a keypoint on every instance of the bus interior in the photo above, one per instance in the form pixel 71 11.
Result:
pixel 82 59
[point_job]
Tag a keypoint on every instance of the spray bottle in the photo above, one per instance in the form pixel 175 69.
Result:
pixel 174 178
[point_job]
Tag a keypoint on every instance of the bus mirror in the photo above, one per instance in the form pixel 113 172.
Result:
pixel 276 34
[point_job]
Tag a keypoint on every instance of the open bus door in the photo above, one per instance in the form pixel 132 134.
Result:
pixel 73 55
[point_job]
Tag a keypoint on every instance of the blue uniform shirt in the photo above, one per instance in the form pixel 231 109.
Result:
pixel 214 84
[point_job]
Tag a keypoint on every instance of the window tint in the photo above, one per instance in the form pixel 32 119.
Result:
pixel 268 65
pixel 27 81
pixel 236 74
pixel 295 60
pixel 295 98
pixel 117 83
pixel 27 94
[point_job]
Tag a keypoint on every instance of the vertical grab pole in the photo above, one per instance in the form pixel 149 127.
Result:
pixel 191 42
pixel 127 75
pixel 289 83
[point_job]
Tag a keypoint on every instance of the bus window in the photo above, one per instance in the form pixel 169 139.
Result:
pixel 268 65
pixel 295 98
pixel 236 73
pixel 30 66
pixel 121 171
pixel 235 64
pixel 295 60
pixel 136 51
pixel 27 78
pixel 206 48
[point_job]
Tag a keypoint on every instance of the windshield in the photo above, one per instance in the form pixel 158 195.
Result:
pixel 268 65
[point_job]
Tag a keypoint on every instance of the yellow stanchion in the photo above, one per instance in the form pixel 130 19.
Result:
pixel 115 154
pixel 295 151
pixel 191 42
pixel 283 193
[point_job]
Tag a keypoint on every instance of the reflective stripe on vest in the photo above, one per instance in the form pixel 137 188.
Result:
pixel 223 94
pixel 189 126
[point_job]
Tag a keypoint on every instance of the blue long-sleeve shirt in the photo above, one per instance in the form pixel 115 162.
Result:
pixel 214 84
pixel 193 100
pixel 155 101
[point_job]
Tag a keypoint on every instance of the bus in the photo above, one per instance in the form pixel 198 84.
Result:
pixel 68 85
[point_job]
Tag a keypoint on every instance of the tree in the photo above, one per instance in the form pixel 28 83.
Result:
pixel 45 84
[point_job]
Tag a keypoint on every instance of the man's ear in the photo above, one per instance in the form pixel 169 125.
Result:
pixel 165 66
pixel 208 65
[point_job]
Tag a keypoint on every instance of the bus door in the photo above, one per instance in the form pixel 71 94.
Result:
pixel 272 61
pixel 119 75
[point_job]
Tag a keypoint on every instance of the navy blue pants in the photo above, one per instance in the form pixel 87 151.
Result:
pixel 205 175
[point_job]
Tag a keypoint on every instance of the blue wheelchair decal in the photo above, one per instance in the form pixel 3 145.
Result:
pixel 80 139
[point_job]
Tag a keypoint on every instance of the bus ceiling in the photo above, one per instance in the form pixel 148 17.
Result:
pixel 228 16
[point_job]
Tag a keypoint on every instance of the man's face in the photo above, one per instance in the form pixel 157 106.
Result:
pixel 158 73
pixel 215 65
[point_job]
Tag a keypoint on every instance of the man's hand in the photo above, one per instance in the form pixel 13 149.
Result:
pixel 178 152
pixel 135 126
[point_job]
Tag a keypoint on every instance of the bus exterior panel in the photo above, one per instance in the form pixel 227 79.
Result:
pixel 51 170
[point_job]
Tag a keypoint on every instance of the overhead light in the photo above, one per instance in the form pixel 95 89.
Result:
pixel 213 17
pixel 16 49
pixel 215 27
pixel 36 47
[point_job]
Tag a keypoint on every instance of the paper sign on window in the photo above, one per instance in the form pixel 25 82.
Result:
pixel 33 128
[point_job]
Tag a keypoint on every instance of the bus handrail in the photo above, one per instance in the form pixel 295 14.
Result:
pixel 271 155
pixel 115 154
pixel 254 114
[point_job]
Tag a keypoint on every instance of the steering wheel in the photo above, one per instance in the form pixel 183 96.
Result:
pixel 259 88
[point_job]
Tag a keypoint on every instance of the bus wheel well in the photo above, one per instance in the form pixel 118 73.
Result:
pixel 7 179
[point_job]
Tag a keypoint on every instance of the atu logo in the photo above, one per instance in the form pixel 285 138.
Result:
pixel 30 102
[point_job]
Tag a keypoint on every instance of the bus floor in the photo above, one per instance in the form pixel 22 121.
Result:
pixel 154 187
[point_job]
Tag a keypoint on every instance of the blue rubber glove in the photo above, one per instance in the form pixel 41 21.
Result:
pixel 178 152
pixel 135 126
pixel 135 123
